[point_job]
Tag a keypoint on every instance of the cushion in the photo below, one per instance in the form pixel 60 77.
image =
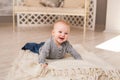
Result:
pixel 51 3
pixel 32 3
pixel 73 4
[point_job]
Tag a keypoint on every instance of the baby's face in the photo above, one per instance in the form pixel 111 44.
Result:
pixel 60 33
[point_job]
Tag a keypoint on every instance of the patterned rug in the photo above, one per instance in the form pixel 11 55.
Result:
pixel 26 67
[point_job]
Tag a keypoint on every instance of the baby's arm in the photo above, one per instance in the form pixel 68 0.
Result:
pixel 73 52
pixel 44 52
pixel 42 58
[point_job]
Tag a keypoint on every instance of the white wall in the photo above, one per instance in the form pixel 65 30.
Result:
pixel 113 16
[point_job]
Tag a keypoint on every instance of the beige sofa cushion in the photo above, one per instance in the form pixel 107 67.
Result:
pixel 32 3
pixel 73 4
pixel 51 3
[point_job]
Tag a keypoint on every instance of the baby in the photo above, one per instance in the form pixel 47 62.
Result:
pixel 57 45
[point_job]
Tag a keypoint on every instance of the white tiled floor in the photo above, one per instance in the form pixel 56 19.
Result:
pixel 11 43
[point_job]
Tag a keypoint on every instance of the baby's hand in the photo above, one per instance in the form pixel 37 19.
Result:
pixel 44 69
pixel 44 65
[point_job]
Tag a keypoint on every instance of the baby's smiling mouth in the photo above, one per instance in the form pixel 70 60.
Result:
pixel 61 38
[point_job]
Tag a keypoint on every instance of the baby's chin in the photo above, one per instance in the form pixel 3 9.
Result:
pixel 62 41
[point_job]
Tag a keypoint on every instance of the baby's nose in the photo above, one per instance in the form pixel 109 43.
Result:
pixel 62 34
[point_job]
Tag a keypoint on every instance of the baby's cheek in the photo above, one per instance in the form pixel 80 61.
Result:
pixel 66 36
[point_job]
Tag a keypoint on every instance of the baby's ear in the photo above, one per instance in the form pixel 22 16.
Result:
pixel 52 32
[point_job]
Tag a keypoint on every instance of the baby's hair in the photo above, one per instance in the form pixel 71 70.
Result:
pixel 61 21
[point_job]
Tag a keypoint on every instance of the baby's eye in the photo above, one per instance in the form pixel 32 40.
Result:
pixel 66 33
pixel 60 31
